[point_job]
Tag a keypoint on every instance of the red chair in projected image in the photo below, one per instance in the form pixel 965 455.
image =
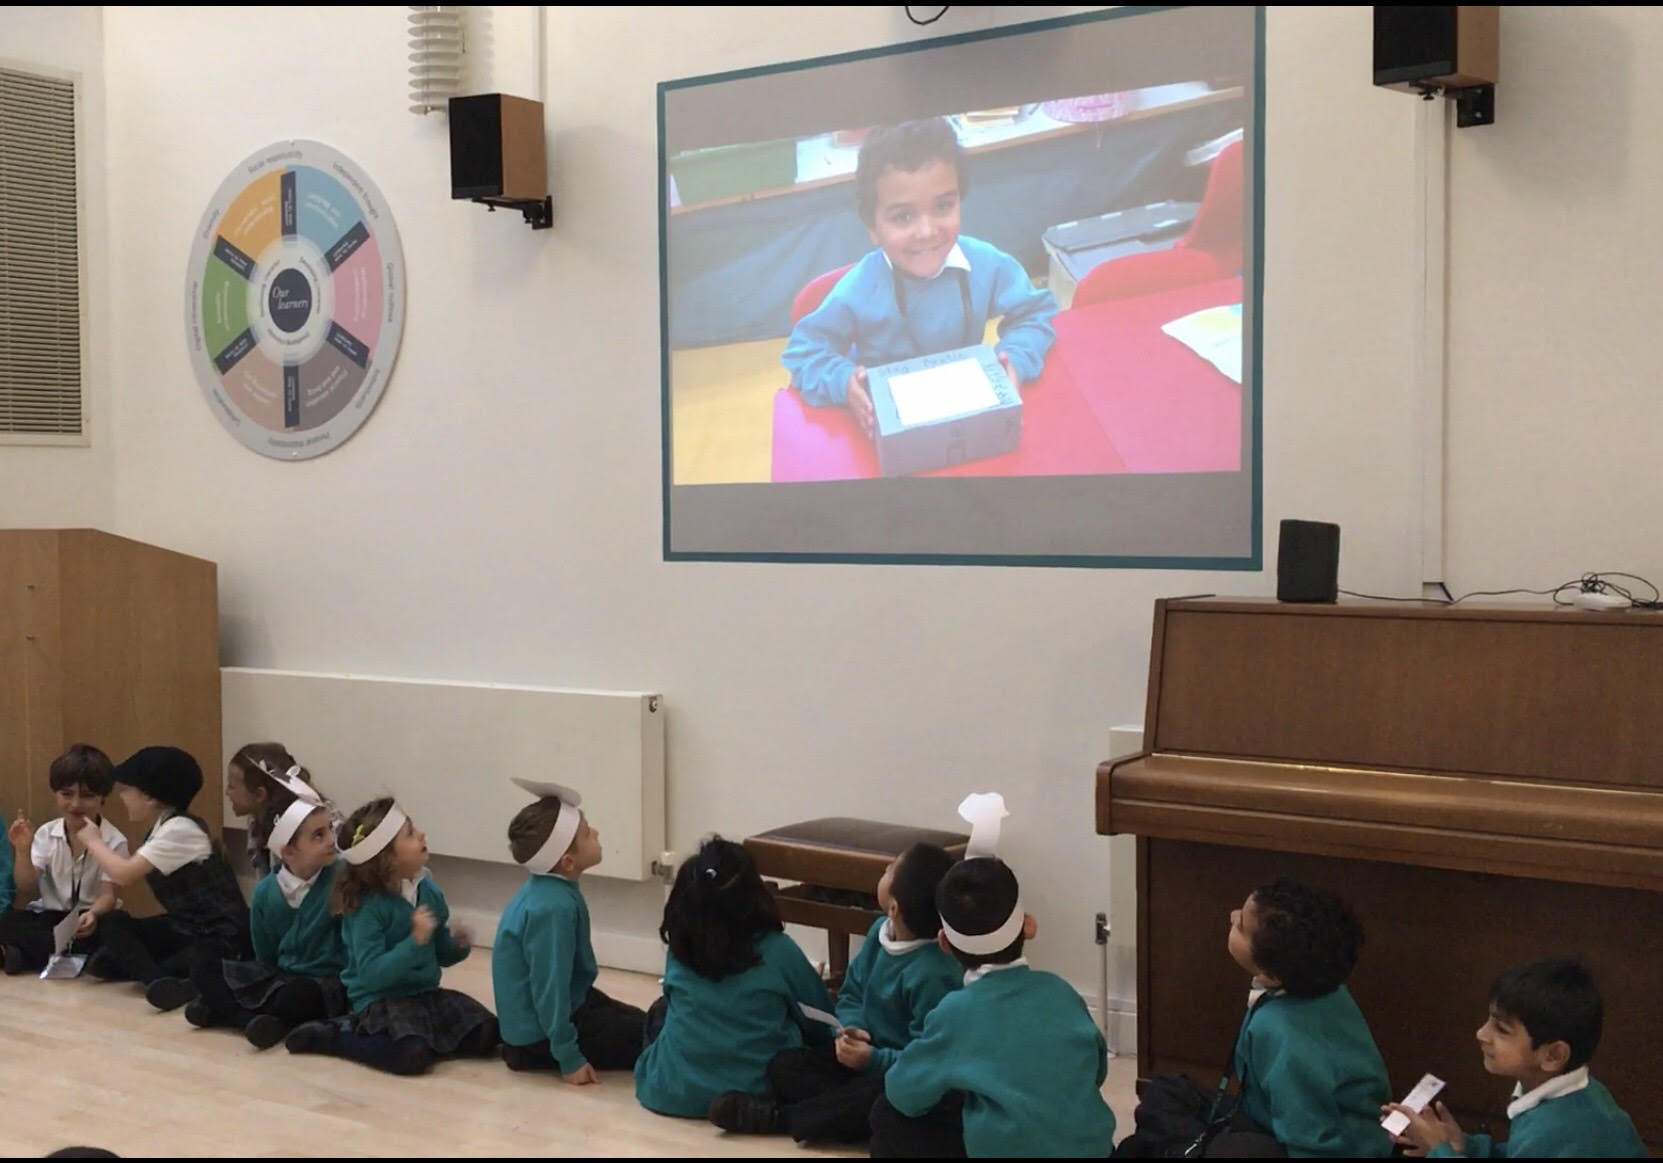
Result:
pixel 1210 250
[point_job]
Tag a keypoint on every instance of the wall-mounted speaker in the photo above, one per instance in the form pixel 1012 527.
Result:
pixel 1421 48
pixel 496 149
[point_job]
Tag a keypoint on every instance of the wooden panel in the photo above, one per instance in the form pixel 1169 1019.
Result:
pixel 1538 694
pixel 30 714
pixel 1477 45
pixel 141 654
pixel 1435 941
pixel 525 171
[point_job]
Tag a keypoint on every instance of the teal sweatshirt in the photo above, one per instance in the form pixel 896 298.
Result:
pixel 1031 1063
pixel 383 959
pixel 1312 1076
pixel 890 994
pixel 720 1035
pixel 304 940
pixel 8 887
pixel 1585 1124
pixel 542 967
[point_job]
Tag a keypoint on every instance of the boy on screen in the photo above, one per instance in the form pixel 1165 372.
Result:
pixel 926 289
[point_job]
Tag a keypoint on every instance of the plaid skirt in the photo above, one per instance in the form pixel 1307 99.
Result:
pixel 440 1017
pixel 252 984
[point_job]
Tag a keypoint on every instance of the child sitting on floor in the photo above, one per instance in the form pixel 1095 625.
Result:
pixel 734 987
pixel 399 936
pixel 1009 1066
pixel 1544 1025
pixel 825 1093
pixel 298 953
pixel 542 964
pixel 54 873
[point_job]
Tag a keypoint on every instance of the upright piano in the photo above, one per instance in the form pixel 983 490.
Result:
pixel 1484 785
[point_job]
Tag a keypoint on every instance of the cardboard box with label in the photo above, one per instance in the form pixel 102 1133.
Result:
pixel 944 409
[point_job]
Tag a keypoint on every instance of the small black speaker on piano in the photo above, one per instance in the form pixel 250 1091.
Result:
pixel 1308 562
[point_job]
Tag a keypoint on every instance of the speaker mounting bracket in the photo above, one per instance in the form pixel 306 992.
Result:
pixel 538 213
pixel 1474 105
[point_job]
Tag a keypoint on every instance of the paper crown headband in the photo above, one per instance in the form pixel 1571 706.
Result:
pixel 367 848
pixel 565 826
pixel 985 812
pixel 307 799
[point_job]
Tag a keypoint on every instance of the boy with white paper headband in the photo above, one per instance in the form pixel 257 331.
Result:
pixel 1012 1064
pixel 542 964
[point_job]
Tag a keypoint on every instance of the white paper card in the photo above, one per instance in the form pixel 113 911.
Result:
pixel 63 933
pixel 63 965
pixel 937 393
pixel 1417 1100
pixel 1214 335
pixel 820 1015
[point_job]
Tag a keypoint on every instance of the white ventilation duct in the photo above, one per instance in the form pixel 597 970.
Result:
pixel 437 55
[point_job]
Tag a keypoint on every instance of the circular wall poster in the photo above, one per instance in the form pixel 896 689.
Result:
pixel 294 300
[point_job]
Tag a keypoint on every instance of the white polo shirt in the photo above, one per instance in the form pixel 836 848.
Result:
pixel 67 880
pixel 174 842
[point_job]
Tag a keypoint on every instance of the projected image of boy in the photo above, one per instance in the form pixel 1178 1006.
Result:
pixel 927 288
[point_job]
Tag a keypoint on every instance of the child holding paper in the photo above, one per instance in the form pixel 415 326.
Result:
pixel 52 871
pixel 542 963
pixel 734 988
pixel 1544 1025
pixel 926 288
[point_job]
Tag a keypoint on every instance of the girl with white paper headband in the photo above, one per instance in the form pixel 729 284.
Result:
pixel 398 936
pixel 298 955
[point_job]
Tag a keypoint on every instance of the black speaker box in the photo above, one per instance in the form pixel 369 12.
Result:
pixel 1418 46
pixel 496 148
pixel 1308 562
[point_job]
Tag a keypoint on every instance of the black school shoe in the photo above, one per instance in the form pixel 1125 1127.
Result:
pixel 311 1038
pixel 169 993
pixel 14 961
pixel 265 1031
pixel 199 1015
pixel 102 965
pixel 747 1114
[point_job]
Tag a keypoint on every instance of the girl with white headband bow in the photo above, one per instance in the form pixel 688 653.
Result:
pixel 399 937
pixel 298 954
pixel 254 791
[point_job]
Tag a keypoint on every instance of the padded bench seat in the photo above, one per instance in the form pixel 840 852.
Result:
pixel 836 863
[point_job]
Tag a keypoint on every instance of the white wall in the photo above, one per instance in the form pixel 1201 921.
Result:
pixel 1556 253
pixel 59 487
pixel 498 517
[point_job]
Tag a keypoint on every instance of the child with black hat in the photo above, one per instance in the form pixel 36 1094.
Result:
pixel 206 914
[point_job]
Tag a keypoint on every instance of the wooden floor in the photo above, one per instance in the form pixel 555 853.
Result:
pixel 91 1064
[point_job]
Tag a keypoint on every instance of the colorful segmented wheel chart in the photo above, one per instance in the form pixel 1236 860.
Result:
pixel 294 302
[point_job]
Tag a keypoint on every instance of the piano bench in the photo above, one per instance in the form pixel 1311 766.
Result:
pixel 836 863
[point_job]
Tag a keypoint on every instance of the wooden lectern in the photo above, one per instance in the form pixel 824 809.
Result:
pixel 1484 785
pixel 110 642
